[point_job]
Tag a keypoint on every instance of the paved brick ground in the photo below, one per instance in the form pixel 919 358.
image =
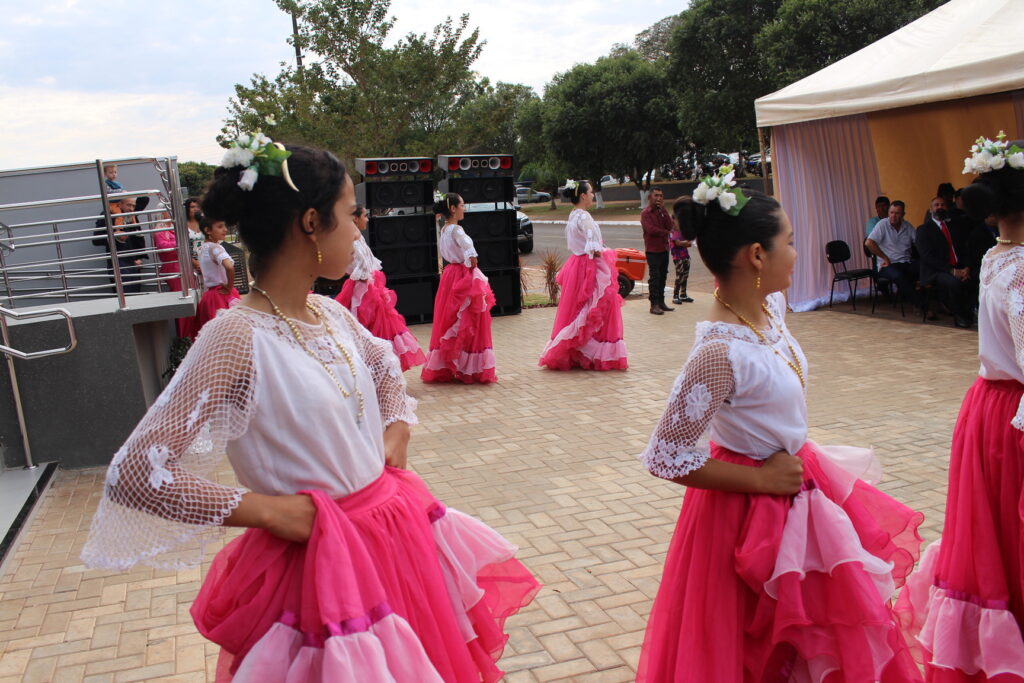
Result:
pixel 546 458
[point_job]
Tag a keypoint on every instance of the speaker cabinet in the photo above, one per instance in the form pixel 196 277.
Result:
pixel 241 267
pixel 415 297
pixel 508 293
pixel 480 190
pixel 406 245
pixel 395 194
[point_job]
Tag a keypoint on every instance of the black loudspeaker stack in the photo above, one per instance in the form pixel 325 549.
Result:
pixel 398 194
pixel 484 181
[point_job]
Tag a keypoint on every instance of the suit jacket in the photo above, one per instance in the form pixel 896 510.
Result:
pixel 933 249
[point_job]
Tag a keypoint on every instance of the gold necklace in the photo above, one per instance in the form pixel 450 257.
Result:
pixel 330 333
pixel 1001 240
pixel 795 363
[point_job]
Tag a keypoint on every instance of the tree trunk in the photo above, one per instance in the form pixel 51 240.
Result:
pixel 643 199
pixel 599 197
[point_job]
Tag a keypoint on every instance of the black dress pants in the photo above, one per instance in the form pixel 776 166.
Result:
pixel 657 274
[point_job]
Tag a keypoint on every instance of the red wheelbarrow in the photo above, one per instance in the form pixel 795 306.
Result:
pixel 631 264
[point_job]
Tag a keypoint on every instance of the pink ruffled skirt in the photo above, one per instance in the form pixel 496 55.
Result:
pixel 213 300
pixel 460 340
pixel 773 588
pixel 391 586
pixel 373 304
pixel 966 600
pixel 588 326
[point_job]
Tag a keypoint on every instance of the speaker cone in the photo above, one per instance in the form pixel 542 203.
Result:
pixel 411 194
pixel 494 163
pixel 383 167
pixel 414 166
pixel 465 164
pixel 403 166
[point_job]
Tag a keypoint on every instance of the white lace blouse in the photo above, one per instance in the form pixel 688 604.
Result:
pixel 364 263
pixel 249 391
pixel 211 264
pixel 582 233
pixel 735 391
pixel 455 245
pixel 1001 319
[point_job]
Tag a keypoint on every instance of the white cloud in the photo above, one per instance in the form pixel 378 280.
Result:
pixel 65 126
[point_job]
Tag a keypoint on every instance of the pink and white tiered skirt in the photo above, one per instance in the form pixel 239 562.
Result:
pixel 966 600
pixel 391 586
pixel 373 304
pixel 588 326
pixel 777 588
pixel 213 301
pixel 460 341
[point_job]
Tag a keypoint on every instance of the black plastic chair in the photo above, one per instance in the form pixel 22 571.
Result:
pixel 838 253
pixel 878 279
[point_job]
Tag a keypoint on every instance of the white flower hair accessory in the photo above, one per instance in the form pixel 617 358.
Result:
pixel 257 154
pixel 721 188
pixel 571 185
pixel 991 155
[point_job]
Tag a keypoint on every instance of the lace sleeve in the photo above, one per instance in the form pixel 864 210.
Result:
pixel 1015 314
pixel 466 242
pixel 364 263
pixel 159 506
pixel 679 444
pixel 396 405
pixel 591 233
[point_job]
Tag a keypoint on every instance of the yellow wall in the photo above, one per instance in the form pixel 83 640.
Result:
pixel 916 148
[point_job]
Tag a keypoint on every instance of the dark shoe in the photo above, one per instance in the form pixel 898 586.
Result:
pixel 963 323
pixel 662 306
pixel 656 311
pixel 684 300
pixel 676 300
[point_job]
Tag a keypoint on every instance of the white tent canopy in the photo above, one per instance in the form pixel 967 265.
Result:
pixel 962 49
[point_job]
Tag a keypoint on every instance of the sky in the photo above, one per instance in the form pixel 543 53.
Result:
pixel 81 80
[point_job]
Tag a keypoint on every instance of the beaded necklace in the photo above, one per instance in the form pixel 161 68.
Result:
pixel 795 363
pixel 1001 240
pixel 330 333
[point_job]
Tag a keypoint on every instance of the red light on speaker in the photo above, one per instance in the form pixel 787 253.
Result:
pixel 453 164
pixel 371 168
pixel 506 163
pixel 426 166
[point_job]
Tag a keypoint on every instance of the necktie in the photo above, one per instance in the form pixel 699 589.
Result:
pixel 949 241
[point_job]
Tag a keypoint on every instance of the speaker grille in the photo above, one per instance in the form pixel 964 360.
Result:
pixel 392 195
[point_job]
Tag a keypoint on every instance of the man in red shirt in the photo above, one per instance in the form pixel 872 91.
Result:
pixel 657 225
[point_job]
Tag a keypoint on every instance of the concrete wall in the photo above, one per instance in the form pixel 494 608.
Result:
pixel 81 406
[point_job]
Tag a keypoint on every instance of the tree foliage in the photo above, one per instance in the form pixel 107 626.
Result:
pixel 361 97
pixel 615 115
pixel 807 35
pixel 653 42
pixel 195 175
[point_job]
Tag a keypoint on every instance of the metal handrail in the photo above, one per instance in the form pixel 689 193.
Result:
pixel 11 353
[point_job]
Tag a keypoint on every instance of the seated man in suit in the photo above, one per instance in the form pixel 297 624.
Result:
pixel 892 241
pixel 942 247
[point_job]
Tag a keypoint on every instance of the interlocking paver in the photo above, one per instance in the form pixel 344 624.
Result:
pixel 546 458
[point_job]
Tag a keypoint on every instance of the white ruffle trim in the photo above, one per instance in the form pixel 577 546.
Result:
pixel 668 460
pixel 603 350
pixel 960 634
pixel 388 652
pixel 467 362
pixel 466 545
pixel 570 331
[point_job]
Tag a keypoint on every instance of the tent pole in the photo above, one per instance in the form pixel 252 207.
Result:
pixel 764 163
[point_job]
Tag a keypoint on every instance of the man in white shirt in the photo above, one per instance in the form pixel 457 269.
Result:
pixel 892 241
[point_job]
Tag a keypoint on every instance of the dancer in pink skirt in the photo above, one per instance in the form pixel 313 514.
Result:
pixel 966 601
pixel 350 569
pixel 218 273
pixel 366 294
pixel 588 326
pixel 784 558
pixel 460 341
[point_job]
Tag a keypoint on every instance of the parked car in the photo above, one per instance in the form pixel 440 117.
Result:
pixel 525 195
pixel 524 232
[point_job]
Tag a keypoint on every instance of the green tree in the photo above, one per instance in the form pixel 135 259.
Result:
pixel 653 42
pixel 489 122
pixel 807 35
pixel 615 115
pixel 716 72
pixel 195 175
pixel 361 96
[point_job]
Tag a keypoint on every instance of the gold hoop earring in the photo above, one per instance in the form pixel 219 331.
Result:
pixel 319 256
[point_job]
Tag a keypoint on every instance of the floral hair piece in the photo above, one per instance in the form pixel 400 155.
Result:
pixel 721 187
pixel 991 155
pixel 572 185
pixel 258 154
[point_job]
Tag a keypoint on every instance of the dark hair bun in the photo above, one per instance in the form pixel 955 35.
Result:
pixel 721 236
pixel 573 194
pixel 445 205
pixel 1000 192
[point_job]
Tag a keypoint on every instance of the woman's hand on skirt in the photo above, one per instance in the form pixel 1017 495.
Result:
pixel 782 474
pixel 290 517
pixel 396 445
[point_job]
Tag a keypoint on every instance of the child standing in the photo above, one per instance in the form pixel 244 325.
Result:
pixel 218 271
pixel 680 243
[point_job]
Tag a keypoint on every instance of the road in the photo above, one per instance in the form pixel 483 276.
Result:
pixel 551 237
